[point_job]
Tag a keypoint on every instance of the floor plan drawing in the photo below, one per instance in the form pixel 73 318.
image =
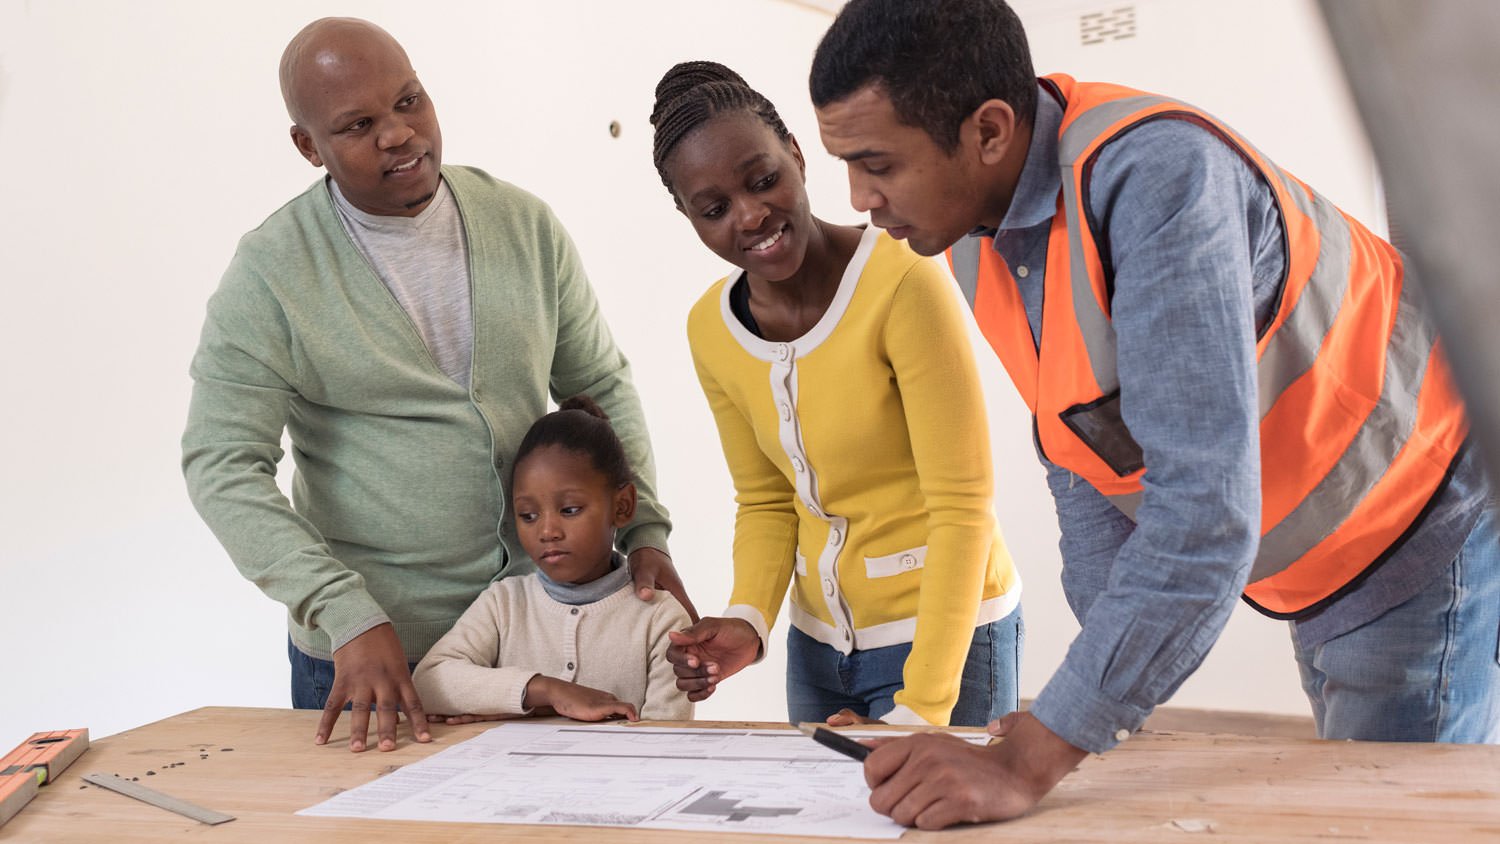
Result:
pixel 725 780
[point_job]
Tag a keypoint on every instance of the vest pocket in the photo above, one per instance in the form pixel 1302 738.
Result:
pixel 897 563
pixel 1099 425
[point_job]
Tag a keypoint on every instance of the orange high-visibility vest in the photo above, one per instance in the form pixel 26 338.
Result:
pixel 1360 422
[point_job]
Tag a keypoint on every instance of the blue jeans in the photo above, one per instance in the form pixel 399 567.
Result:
pixel 1427 670
pixel 820 681
pixel 312 678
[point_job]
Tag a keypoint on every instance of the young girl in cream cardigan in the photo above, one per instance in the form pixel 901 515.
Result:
pixel 572 638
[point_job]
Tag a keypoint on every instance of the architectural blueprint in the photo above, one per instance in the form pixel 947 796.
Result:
pixel 723 780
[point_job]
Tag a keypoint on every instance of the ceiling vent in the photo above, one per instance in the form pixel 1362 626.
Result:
pixel 1115 24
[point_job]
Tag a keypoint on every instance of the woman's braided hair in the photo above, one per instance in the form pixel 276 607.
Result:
pixel 692 93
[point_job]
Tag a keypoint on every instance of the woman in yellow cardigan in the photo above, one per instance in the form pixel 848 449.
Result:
pixel 837 364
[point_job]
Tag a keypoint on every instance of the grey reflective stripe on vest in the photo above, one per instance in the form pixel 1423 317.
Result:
pixel 1290 353
pixel 1092 123
pixel 1093 323
pixel 1379 439
pixel 1292 348
pixel 965 257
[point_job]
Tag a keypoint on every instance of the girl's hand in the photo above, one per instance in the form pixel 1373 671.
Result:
pixel 466 718
pixel 580 703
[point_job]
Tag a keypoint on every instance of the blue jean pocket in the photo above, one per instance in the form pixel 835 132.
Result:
pixel 312 678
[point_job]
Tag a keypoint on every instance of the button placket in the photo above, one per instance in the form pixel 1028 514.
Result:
pixel 784 394
pixel 783 378
pixel 570 639
pixel 832 596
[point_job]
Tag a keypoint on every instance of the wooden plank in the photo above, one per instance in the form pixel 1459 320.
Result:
pixel 261 766
pixel 1180 719
pixel 1168 719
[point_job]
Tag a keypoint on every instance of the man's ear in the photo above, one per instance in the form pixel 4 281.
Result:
pixel 304 144
pixel 992 128
pixel 624 504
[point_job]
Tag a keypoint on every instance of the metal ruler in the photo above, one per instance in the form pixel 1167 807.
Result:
pixel 157 799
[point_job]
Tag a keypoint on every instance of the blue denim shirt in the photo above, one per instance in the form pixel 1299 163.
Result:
pixel 1199 259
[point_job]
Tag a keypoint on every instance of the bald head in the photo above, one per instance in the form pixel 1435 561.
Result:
pixel 322 45
pixel 359 110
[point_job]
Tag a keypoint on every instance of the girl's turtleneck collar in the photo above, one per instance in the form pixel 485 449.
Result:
pixel 594 590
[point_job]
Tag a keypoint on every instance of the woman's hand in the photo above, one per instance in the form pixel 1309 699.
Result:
pixel 847 718
pixel 709 651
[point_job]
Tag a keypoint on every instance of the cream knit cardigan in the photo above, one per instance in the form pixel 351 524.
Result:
pixel 515 631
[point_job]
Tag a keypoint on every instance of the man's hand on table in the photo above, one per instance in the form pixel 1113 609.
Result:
pixel 370 672
pixel 934 780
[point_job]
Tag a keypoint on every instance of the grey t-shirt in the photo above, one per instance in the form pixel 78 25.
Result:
pixel 424 262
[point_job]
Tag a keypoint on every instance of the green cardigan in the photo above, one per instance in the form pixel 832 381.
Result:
pixel 399 500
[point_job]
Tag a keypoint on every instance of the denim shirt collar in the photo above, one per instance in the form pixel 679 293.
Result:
pixel 1035 199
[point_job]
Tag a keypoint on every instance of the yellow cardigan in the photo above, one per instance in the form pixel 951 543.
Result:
pixel 861 463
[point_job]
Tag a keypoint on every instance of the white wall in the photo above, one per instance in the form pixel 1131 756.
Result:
pixel 140 140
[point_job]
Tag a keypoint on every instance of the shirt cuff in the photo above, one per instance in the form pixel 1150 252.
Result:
pixel 1081 716
pixel 645 536
pixel 519 701
pixel 756 619
pixel 906 717
pixel 349 615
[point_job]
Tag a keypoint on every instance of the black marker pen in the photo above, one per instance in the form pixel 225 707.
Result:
pixel 833 741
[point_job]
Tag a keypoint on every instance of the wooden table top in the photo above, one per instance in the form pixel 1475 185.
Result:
pixel 260 765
